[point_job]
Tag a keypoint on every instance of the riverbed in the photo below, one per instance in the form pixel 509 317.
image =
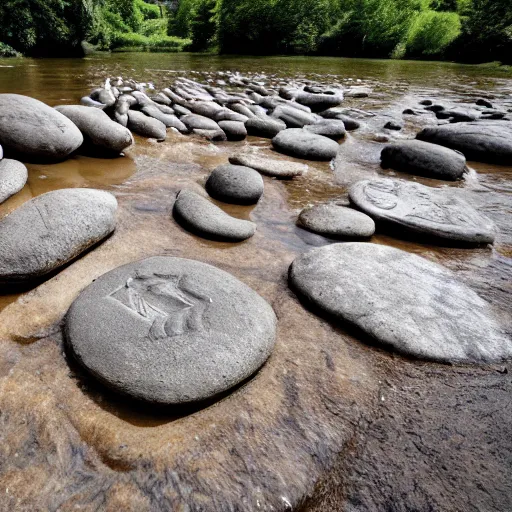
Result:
pixel 330 422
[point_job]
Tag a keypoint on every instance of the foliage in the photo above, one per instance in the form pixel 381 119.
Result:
pixel 8 51
pixel 203 25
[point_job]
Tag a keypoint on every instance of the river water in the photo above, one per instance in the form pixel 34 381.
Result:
pixel 65 412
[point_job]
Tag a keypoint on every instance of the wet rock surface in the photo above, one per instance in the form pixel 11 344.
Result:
pixel 415 307
pixel 336 221
pixel 202 217
pixel 35 131
pixel 303 144
pixel 436 212
pixel 13 176
pixel 235 184
pixel 269 166
pixel 482 141
pixel 51 230
pixel 170 330
pixel 424 159
pixel 146 126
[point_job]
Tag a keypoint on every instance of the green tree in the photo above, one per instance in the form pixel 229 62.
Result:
pixel 203 25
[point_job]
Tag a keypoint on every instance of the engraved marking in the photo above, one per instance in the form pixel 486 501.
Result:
pixel 45 217
pixel 168 302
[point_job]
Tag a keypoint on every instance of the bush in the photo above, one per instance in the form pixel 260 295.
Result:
pixel 8 51
pixel 431 32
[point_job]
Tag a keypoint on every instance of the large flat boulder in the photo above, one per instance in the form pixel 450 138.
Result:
pixel 53 229
pixel 481 141
pixel 170 330
pixel 435 212
pixel 402 301
pixel 269 166
pixel 31 130
pixel 303 144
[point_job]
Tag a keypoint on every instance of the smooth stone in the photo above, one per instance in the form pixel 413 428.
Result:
pixel 180 110
pixel 393 125
pixel 235 184
pixel 195 121
pixel 35 131
pixel 264 126
pixel 319 102
pixel 426 103
pixel 169 120
pixel 269 166
pixel 217 135
pixel 484 103
pixel 334 113
pixel 336 221
pixel 332 128
pixel 170 330
pixel 104 96
pixel 145 126
pixel 98 130
pixel 424 159
pixel 13 176
pixel 436 212
pixel 435 108
pixel 52 229
pixel 207 109
pixel 234 130
pixel 162 99
pixel 402 301
pixel 200 216
pixel 87 101
pixel 483 141
pixel 303 144
pixel 358 91
pixel 292 117
pixel 239 108
pixel 459 115
pixel 229 115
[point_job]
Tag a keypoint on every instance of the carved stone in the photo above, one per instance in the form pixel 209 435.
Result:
pixel 403 301
pixel 432 211
pixel 170 330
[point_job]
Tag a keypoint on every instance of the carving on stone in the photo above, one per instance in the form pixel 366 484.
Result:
pixel 382 194
pixel 167 302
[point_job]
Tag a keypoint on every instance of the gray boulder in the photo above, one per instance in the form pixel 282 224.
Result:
pixel 336 221
pixel 180 110
pixel 264 126
pixel 53 229
pixel 207 109
pixel 319 102
pixel 169 120
pixel 303 144
pixel 228 115
pixel 217 135
pixel 13 176
pixel 87 101
pixel 198 215
pixel 242 109
pixel 170 330
pixel 424 159
pixel 402 301
pixel 269 166
pixel 336 113
pixel 35 131
pixel 435 212
pixel 292 117
pixel 393 125
pixel 104 96
pixel 98 130
pixel 332 128
pixel 235 184
pixel 146 126
pixel 234 130
pixel 195 121
pixel 484 141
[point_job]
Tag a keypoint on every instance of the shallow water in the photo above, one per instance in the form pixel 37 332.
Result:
pixel 145 182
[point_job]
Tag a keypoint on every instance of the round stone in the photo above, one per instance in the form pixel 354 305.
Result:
pixel 402 301
pixel 436 212
pixel 13 176
pixel 303 144
pixel 235 184
pixel 336 221
pixel 170 330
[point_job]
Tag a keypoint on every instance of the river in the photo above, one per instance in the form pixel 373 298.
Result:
pixel 328 420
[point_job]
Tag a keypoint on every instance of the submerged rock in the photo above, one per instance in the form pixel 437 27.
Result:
pixel 404 302
pixel 269 166
pixel 484 141
pixel 170 330
pixel 13 176
pixel 424 159
pixel 99 131
pixel 303 144
pixel 195 213
pixel 35 131
pixel 336 221
pixel 146 126
pixel 235 184
pixel 52 229
pixel 431 211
